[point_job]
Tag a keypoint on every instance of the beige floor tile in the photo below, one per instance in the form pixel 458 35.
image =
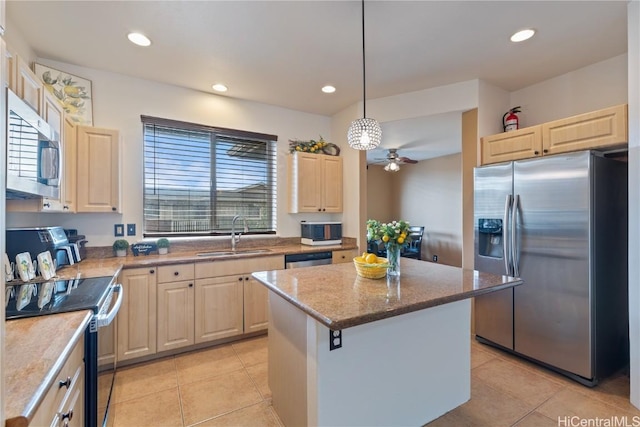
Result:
pixel 450 419
pixel 569 403
pixel 275 414
pixel 206 399
pixel 488 407
pixel 520 383
pixel 259 375
pixel 480 356
pixel 536 419
pixel 252 351
pixel 144 379
pixel 153 410
pixel 614 391
pixel 258 415
pixel 203 364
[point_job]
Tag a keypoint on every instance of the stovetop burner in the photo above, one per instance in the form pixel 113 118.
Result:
pixel 55 296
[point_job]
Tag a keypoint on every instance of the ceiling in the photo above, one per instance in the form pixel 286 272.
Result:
pixel 282 52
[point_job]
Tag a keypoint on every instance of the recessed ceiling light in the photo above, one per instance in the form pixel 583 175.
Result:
pixel 523 35
pixel 139 39
pixel 219 87
pixel 328 89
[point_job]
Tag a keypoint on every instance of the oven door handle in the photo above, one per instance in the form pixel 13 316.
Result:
pixel 106 319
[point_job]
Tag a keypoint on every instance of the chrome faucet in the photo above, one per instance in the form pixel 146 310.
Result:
pixel 235 239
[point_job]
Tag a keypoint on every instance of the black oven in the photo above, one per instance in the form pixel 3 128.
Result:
pixel 98 294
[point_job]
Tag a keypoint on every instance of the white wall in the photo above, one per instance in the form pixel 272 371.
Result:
pixel 118 103
pixel 381 200
pixel 633 13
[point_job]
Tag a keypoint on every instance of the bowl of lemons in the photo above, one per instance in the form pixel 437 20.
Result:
pixel 371 266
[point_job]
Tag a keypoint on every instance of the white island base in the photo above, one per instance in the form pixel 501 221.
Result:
pixel 405 370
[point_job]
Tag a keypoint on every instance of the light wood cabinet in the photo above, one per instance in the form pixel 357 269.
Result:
pixel 343 256
pixel 98 170
pixel 175 306
pixel 11 59
pixel 599 129
pixel 70 165
pixel 28 85
pixel 256 305
pixel 602 128
pixel 315 183
pixel 136 320
pixel 63 403
pixel 219 308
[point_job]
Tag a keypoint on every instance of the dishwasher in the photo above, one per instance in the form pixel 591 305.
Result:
pixel 307 259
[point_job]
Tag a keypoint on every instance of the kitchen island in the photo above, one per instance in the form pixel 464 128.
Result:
pixel 344 350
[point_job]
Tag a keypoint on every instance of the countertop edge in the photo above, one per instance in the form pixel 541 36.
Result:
pixel 36 399
pixel 361 320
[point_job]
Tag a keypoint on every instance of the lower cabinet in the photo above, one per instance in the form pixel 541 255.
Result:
pixel 342 256
pixel 175 306
pixel 63 403
pixel 256 305
pixel 136 320
pixel 218 312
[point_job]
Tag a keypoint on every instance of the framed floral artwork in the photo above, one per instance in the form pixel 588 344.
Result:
pixel 73 92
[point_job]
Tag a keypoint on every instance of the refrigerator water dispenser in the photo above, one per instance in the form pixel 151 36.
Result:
pixel 490 237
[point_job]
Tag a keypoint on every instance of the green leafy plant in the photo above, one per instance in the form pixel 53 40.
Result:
pixel 120 245
pixel 163 242
pixel 394 232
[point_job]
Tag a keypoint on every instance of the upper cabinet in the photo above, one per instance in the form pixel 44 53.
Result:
pixel 98 170
pixel 315 183
pixel 28 85
pixel 599 129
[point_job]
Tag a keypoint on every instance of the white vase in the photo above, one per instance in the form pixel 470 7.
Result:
pixel 163 251
pixel 121 252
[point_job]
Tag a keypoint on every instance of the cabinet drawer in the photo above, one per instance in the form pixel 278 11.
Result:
pixel 71 373
pixel 240 266
pixel 346 255
pixel 174 273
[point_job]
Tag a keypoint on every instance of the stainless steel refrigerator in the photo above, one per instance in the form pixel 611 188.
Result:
pixel 559 223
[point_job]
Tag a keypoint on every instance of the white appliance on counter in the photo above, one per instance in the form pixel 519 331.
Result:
pixel 320 233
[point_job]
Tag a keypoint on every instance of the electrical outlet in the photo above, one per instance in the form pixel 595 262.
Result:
pixel 131 229
pixel 118 230
pixel 435 258
pixel 335 339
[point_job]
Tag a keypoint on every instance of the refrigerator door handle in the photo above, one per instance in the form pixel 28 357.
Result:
pixel 515 256
pixel 506 253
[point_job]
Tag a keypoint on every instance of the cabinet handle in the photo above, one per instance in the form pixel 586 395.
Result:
pixel 343 257
pixel 536 152
pixel 246 278
pixel 113 208
pixel 46 205
pixel 545 151
pixel 319 210
pixel 191 285
pixel 323 209
pixel 65 207
pixel 65 383
pixel 67 415
pixel 151 271
pixel 239 279
pixel 176 273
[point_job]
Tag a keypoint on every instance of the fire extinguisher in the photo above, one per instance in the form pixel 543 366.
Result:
pixel 510 119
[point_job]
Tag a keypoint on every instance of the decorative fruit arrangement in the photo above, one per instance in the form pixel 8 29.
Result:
pixel 371 266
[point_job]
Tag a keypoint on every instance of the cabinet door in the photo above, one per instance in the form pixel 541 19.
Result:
pixel 602 128
pixel 107 344
pixel 305 182
pixel 136 320
pixel 332 184
pixel 256 305
pixel 12 69
pixel 29 86
pixel 175 315
pixel 518 144
pixel 68 189
pixel 53 114
pixel 98 178
pixel 218 310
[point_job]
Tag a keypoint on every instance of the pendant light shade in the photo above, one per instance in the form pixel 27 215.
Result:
pixel 364 133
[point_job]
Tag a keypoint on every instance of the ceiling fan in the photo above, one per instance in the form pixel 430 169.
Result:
pixel 394 161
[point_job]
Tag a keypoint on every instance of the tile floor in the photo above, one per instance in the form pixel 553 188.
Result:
pixel 227 386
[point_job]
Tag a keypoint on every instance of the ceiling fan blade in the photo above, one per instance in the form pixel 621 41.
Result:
pixel 407 160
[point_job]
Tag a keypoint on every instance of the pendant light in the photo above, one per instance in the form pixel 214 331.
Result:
pixel 364 133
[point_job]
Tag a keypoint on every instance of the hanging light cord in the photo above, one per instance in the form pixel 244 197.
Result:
pixel 364 73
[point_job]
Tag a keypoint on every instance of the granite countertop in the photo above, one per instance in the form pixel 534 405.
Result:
pixel 31 363
pixel 338 298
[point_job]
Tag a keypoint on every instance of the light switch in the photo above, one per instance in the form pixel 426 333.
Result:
pixel 118 230
pixel 131 229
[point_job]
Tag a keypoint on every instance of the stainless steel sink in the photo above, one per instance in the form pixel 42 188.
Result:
pixel 231 253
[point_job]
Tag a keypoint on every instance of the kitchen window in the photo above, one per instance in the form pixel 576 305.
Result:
pixel 197 178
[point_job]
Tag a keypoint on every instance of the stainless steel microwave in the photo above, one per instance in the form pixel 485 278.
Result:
pixel 33 153
pixel 321 233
